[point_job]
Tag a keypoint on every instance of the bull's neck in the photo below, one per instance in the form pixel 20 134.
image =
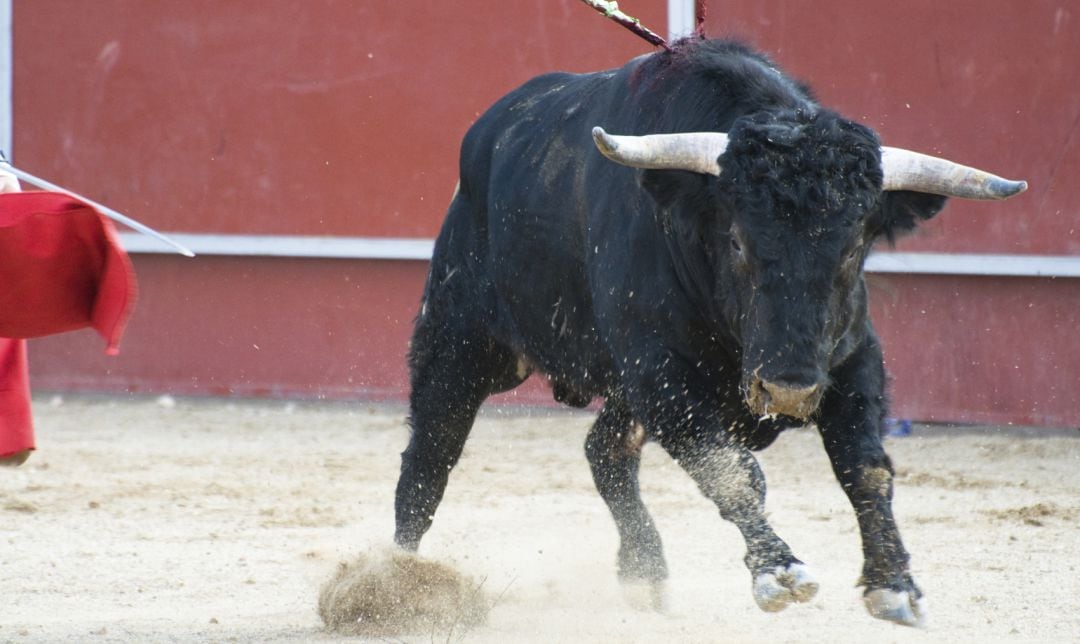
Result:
pixel 690 264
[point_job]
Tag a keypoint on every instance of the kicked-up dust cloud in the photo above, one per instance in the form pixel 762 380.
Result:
pixel 397 593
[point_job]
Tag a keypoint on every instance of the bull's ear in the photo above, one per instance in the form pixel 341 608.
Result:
pixel 902 210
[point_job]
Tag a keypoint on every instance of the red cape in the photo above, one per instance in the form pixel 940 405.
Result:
pixel 61 268
pixel 16 424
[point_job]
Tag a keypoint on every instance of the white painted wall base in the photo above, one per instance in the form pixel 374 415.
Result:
pixel 681 19
pixel 401 248
pixel 6 106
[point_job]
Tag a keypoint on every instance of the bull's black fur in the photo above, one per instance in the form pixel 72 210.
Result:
pixel 668 294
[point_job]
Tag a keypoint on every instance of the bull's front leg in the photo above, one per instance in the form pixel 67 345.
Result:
pixel 729 475
pixel 679 413
pixel 850 420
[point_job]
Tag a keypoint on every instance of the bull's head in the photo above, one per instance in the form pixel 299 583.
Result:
pixel 799 198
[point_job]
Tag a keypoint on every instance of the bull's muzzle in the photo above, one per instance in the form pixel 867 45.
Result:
pixel 767 398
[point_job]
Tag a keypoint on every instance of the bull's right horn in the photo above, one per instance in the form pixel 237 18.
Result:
pixel 694 151
pixel 907 170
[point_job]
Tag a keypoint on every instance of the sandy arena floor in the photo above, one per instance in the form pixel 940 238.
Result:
pixel 143 521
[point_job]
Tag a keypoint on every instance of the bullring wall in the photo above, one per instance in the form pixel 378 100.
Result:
pixel 307 150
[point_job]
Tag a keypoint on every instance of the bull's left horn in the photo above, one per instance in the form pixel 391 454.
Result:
pixel 693 151
pixel 907 170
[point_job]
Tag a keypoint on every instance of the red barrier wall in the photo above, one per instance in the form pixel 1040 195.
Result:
pixel 343 117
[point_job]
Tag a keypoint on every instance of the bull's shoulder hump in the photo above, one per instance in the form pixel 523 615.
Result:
pixel 553 86
pixel 540 100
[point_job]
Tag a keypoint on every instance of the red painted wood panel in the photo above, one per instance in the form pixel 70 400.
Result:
pixel 244 326
pixel 957 349
pixel 980 350
pixel 335 329
pixel 990 84
pixel 324 117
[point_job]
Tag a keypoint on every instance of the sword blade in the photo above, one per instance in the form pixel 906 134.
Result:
pixel 105 210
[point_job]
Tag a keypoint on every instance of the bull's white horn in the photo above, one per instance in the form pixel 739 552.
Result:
pixel 907 170
pixel 694 151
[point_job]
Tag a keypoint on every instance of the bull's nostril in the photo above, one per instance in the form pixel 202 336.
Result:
pixel 783 398
pixel 783 394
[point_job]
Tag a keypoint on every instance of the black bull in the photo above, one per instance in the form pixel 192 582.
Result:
pixel 709 291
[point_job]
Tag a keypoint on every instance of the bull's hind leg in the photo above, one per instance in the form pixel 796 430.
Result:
pixel 613 448
pixel 447 390
pixel 452 372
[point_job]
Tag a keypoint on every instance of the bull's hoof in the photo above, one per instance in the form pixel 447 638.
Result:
pixel 646 594
pixel 775 589
pixel 901 607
